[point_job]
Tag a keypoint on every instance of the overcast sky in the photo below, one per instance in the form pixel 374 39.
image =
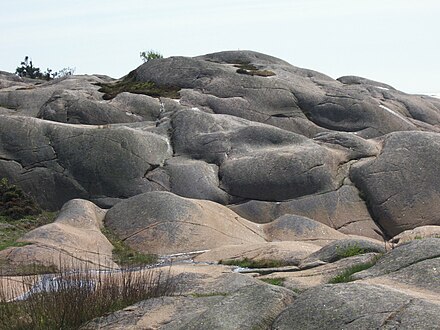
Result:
pixel 392 41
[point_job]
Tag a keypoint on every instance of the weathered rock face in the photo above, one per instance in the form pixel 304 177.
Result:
pixel 58 162
pixel 401 184
pixel 249 131
pixel 357 306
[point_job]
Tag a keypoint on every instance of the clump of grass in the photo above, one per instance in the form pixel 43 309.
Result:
pixel 249 263
pixel 346 276
pixel 69 299
pixel 274 281
pixel 252 70
pixel 124 255
pixel 350 251
pixel 129 84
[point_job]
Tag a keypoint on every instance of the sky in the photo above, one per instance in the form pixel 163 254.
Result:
pixel 393 41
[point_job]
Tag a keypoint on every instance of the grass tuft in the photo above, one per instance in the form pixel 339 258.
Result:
pixel 346 276
pixel 350 251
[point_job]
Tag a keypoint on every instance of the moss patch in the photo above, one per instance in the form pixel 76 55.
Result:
pixel 130 85
pixel 350 251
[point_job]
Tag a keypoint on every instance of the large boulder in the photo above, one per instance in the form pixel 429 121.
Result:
pixel 358 306
pixel 402 184
pixel 57 162
pixel 164 223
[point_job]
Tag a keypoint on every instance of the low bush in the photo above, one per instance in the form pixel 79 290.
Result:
pixel 28 70
pixel 14 203
pixel 150 55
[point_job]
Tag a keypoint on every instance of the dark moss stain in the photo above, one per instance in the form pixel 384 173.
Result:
pixel 131 85
pixel 251 70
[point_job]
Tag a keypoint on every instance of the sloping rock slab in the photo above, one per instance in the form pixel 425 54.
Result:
pixel 164 223
pixel 73 240
pixel 358 306
pixel 402 185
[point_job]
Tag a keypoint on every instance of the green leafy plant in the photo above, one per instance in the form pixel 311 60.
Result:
pixel 346 276
pixel 150 55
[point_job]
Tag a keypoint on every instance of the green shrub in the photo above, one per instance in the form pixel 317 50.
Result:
pixel 27 69
pixel 150 55
pixel 14 203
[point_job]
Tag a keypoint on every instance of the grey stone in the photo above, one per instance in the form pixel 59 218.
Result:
pixel 358 306
pixel 402 185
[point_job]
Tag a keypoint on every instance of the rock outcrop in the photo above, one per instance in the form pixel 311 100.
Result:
pixel 236 156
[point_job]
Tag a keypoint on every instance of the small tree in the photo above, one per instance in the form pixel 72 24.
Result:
pixel 150 55
pixel 28 70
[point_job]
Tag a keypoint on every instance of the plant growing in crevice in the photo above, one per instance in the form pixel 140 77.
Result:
pixel 124 255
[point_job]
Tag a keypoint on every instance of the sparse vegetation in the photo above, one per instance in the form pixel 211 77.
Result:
pixel 124 255
pixel 350 251
pixel 69 299
pixel 129 84
pixel 274 281
pixel 252 70
pixel 346 275
pixel 249 263
pixel 150 55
